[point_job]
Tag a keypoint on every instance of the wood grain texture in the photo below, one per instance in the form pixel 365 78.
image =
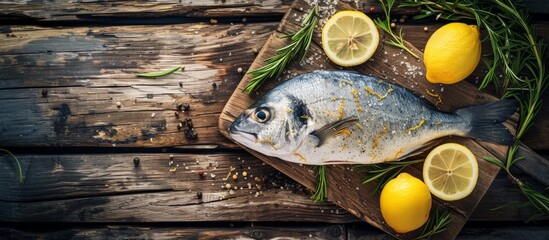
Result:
pixel 256 231
pixel 328 232
pixel 345 188
pixel 108 11
pixel 105 11
pixel 110 187
pixel 60 86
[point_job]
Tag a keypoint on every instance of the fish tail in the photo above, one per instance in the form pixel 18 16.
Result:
pixel 486 121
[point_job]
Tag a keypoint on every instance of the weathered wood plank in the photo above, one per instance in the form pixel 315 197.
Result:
pixel 256 231
pixel 105 11
pixel 106 180
pixel 111 188
pixel 60 87
pixel 496 231
pixel 331 232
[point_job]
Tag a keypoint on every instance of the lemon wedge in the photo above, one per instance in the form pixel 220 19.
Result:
pixel 450 171
pixel 349 38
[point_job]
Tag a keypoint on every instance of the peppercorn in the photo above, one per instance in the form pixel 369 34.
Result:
pixel 186 107
pixel 44 93
pixel 235 177
pixel 190 133
pixel 136 161
pixel 199 194
pixel 372 9
pixel 188 123
pixel 201 173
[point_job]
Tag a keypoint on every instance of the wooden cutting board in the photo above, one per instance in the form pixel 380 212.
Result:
pixel 345 186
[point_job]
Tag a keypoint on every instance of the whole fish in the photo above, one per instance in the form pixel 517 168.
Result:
pixel 340 117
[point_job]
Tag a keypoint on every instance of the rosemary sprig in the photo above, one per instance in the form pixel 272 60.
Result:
pixel 385 172
pixel 160 74
pixel 519 54
pixel 17 162
pixel 385 25
pixel 321 190
pixel 301 41
pixel 437 222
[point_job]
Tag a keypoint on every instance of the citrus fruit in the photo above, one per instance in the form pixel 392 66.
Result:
pixel 349 38
pixel 405 203
pixel 452 53
pixel 450 171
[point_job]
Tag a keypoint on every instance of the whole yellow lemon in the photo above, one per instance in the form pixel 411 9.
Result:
pixel 405 203
pixel 452 53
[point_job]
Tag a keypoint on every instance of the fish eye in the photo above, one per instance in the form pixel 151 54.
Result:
pixel 261 115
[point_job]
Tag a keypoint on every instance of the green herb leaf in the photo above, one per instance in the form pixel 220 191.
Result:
pixel 159 74
pixel 17 162
pixel 385 25
pixel 321 190
pixel 384 172
pixel 436 223
pixel 301 41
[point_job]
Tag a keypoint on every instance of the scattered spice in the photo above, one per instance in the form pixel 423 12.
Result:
pixel 254 50
pixel 213 21
pixel 188 123
pixel 235 177
pixel 201 173
pixel 44 93
pixel 239 70
pixel 199 195
pixel 425 29
pixel 118 104
pixel 244 174
pixel 190 133
pixel 228 186
pixel 379 135
pixel 214 86
pixel 171 156
pixel 259 187
pixel 186 107
pixel 439 99
pixel 136 161
pixel 393 25
pixel 372 9
pixel 417 126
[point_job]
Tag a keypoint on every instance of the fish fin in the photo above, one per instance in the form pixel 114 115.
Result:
pixel 332 129
pixel 420 150
pixel 486 121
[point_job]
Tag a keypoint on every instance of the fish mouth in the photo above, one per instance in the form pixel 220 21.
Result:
pixel 238 134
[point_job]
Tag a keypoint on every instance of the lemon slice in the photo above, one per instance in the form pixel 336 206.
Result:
pixel 450 171
pixel 349 38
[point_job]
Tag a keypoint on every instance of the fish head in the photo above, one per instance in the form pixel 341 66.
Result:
pixel 273 125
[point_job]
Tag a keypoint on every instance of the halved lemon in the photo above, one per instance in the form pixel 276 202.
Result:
pixel 349 38
pixel 450 171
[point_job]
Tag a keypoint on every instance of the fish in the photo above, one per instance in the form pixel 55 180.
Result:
pixel 341 117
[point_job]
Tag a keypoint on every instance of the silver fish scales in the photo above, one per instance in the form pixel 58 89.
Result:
pixel 340 117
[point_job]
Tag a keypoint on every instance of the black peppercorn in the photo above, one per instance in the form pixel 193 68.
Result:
pixel 136 161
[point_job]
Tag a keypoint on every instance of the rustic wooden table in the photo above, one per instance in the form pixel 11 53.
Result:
pixel 101 151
